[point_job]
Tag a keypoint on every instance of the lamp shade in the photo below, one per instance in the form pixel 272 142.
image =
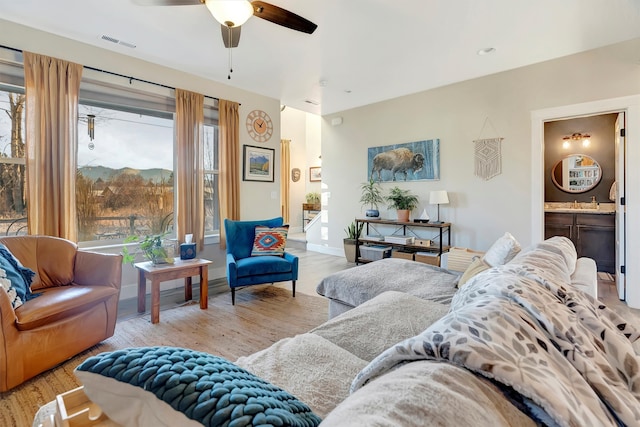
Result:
pixel 231 13
pixel 439 197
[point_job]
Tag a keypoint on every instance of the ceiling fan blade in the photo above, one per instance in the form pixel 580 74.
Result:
pixel 235 36
pixel 167 2
pixel 283 17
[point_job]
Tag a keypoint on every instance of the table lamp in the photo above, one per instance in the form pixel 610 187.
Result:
pixel 439 197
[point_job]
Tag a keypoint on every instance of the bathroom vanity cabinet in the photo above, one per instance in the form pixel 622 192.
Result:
pixel 593 234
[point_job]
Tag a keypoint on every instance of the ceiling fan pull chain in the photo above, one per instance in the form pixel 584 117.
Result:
pixel 230 61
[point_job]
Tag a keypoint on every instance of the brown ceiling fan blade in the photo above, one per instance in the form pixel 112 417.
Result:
pixel 283 17
pixel 235 36
pixel 167 2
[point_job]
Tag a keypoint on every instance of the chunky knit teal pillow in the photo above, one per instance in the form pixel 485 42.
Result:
pixel 168 386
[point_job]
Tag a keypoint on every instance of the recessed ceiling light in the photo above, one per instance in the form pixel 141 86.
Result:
pixel 486 51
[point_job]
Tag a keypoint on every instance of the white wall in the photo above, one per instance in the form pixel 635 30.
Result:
pixel 480 211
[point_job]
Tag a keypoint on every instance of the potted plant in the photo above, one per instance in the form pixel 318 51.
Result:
pixel 403 201
pixel 372 196
pixel 313 201
pixel 152 247
pixel 353 233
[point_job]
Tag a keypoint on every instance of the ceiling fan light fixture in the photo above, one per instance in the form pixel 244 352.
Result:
pixel 231 13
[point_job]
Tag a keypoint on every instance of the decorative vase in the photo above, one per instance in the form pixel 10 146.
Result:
pixel 372 213
pixel 350 250
pixel 403 215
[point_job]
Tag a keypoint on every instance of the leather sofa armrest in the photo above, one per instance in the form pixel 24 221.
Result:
pixel 93 268
pixel 7 314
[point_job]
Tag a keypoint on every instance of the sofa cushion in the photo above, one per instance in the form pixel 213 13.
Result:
pixel 270 240
pixel 55 304
pixel 356 285
pixel 19 276
pixel 426 393
pixel 52 258
pixel 549 260
pixel 167 386
pixel 585 276
pixel 310 367
pixel 381 322
pixel 266 264
pixel 502 251
pixel 475 268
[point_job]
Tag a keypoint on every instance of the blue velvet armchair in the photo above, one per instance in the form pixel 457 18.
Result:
pixel 246 270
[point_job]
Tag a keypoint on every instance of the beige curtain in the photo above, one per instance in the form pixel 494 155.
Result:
pixel 285 178
pixel 229 159
pixel 189 171
pixel 51 87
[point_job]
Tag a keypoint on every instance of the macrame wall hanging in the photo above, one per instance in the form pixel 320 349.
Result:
pixel 488 158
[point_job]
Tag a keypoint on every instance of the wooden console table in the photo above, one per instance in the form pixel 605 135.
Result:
pixel 401 229
pixel 309 211
pixel 163 272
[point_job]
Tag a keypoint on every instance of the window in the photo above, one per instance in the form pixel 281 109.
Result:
pixel 124 180
pixel 13 208
pixel 211 200
pixel 124 184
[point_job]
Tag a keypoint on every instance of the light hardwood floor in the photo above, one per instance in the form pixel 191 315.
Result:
pixel 314 266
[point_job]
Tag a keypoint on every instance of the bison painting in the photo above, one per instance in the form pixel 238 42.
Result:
pixel 398 160
pixel 413 161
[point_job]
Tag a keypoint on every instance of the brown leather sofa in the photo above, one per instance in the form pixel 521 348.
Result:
pixel 77 307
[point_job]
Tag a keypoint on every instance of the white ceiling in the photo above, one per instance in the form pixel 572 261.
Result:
pixel 364 50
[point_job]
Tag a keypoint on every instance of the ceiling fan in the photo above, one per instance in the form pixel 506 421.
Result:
pixel 233 13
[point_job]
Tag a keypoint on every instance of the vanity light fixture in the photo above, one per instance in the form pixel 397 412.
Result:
pixel 584 137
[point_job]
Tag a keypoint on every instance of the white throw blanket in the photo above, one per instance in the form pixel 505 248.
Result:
pixel 568 358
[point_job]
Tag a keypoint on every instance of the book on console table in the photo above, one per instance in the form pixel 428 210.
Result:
pixel 402 240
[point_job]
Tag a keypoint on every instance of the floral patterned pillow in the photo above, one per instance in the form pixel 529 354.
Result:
pixel 6 284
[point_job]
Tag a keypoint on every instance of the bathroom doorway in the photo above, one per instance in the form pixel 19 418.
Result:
pixel 583 166
pixel 627 274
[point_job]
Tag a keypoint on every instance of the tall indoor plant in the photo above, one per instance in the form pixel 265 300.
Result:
pixel 403 201
pixel 371 196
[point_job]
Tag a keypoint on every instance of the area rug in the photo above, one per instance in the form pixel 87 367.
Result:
pixel 259 318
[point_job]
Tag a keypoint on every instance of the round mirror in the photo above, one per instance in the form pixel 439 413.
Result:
pixel 577 173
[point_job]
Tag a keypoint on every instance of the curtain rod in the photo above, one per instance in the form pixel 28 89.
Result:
pixel 131 79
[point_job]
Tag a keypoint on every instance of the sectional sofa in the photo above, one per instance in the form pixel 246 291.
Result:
pixel 519 344
pixel 514 340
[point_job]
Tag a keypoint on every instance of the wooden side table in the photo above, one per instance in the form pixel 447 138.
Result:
pixel 163 272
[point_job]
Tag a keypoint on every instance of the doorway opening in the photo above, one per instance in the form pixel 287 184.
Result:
pixel 582 170
pixel 626 274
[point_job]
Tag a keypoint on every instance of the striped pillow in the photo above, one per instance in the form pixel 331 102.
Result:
pixel 270 241
pixel 459 259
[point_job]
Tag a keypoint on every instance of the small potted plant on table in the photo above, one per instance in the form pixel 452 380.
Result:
pixel 403 201
pixel 372 196
pixel 152 247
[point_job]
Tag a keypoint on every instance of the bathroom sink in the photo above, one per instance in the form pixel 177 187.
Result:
pixel 579 207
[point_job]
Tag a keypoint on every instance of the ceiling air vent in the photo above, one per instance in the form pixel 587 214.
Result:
pixel 311 101
pixel 109 39
pixel 117 41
